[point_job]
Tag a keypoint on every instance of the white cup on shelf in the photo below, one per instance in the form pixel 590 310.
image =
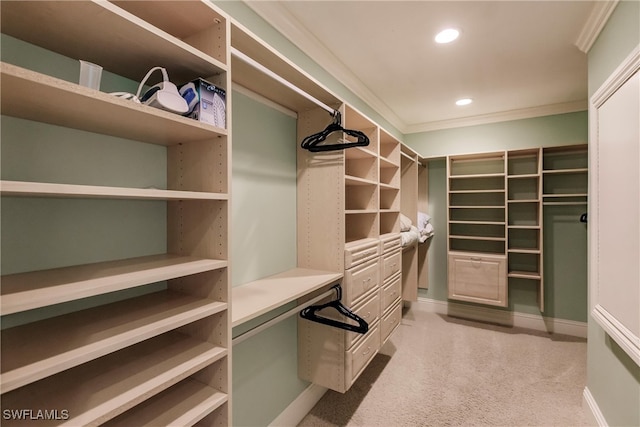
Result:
pixel 90 75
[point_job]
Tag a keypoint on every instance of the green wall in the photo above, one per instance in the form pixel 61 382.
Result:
pixel 548 131
pixel 264 170
pixel 613 379
pixel 263 188
pixel 565 238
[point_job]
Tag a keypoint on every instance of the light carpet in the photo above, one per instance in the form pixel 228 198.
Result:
pixel 453 372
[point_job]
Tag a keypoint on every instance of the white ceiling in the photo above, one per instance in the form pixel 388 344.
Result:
pixel 514 58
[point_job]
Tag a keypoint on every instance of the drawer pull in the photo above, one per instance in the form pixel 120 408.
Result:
pixel 367 351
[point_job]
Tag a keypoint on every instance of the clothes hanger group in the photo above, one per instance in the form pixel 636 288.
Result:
pixel 312 142
pixel 311 313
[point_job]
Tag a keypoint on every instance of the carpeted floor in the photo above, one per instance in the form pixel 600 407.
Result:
pixel 452 372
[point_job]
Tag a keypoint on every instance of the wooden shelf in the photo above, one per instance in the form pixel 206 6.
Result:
pixel 387 187
pixel 408 156
pixel 183 404
pixel 36 350
pixel 261 296
pixel 565 171
pixel 524 275
pixel 478 222
pixel 360 211
pixel 44 189
pixel 359 153
pixel 26 291
pixel 354 180
pixel 386 163
pixel 477 207
pixel 102 389
pixel 558 195
pixel 496 190
pixel 466 237
pixel 477 175
pixel 247 76
pixel 523 176
pixel 95 39
pixel 524 251
pixel 34 96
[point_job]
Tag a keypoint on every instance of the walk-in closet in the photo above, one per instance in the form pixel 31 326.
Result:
pixel 246 213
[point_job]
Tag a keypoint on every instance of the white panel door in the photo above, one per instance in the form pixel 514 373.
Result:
pixel 614 217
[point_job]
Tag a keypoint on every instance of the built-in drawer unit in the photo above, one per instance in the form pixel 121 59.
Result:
pixel 390 242
pixel 480 278
pixel 362 352
pixel 390 322
pixel 358 252
pixel 369 310
pixel 390 292
pixel 360 280
pixel 391 264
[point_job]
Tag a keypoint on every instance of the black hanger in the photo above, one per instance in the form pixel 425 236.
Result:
pixel 311 142
pixel 310 313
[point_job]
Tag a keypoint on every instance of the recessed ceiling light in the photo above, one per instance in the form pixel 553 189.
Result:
pixel 464 101
pixel 447 36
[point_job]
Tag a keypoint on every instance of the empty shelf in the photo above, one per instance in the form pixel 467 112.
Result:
pixel 36 350
pixel 44 189
pixel 261 296
pixel 184 404
pixel 102 389
pixel 26 291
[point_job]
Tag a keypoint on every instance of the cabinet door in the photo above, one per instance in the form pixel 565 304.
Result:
pixel 478 278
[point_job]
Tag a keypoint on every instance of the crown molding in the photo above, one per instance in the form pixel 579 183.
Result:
pixel 279 17
pixel 525 113
pixel 282 20
pixel 599 16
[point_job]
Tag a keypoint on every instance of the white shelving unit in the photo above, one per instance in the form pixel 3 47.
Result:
pixel 565 175
pixel 524 193
pixel 356 195
pixel 495 210
pixel 477 222
pixel 140 352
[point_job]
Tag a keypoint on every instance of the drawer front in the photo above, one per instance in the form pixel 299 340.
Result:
pixel 391 244
pixel 355 254
pixel 391 264
pixel 478 278
pixel 369 310
pixel 391 292
pixel 390 321
pixel 359 280
pixel 359 356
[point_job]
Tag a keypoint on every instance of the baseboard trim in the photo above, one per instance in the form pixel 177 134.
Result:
pixel 592 410
pixel 509 318
pixel 300 407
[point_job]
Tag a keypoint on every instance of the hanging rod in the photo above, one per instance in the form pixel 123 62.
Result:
pixel 235 52
pixel 269 323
